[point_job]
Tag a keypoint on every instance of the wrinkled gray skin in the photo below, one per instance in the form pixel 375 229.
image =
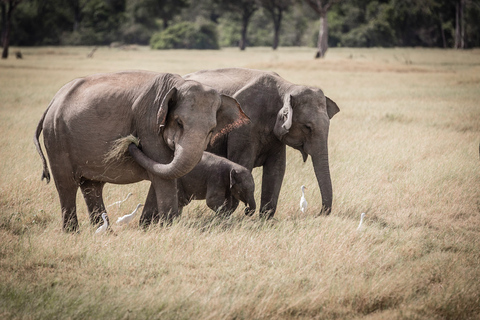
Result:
pixel 221 182
pixel 173 118
pixel 281 114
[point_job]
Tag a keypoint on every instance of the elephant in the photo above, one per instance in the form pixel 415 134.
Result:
pixel 174 119
pixel 281 114
pixel 222 182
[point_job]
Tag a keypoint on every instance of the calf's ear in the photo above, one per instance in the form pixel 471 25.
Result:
pixel 233 178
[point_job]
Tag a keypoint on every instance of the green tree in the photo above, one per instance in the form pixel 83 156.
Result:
pixel 100 23
pixel 77 7
pixel 140 22
pixel 168 9
pixel 276 10
pixel 186 35
pixel 362 24
pixel 242 10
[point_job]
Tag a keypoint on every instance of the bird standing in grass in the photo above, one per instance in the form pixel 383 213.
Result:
pixel 128 217
pixel 104 226
pixel 361 221
pixel 303 201
pixel 119 203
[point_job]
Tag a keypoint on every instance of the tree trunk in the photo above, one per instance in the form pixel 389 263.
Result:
pixel 462 24
pixel 3 20
pixel 276 36
pixel 459 25
pixel 6 33
pixel 277 22
pixel 9 6
pixel 76 20
pixel 6 43
pixel 442 30
pixel 322 43
pixel 243 40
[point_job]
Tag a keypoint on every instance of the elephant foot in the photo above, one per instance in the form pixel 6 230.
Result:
pixel 267 214
pixel 71 226
pixel 249 212
pixel 147 218
pixel 326 211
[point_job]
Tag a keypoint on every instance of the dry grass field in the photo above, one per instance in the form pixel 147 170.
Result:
pixel 404 149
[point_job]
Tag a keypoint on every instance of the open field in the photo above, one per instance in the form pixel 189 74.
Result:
pixel 404 149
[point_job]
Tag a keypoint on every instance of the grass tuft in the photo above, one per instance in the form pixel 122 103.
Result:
pixel 119 149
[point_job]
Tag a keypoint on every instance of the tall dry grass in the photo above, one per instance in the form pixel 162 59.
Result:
pixel 403 149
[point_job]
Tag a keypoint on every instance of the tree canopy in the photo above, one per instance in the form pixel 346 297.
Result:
pixel 352 23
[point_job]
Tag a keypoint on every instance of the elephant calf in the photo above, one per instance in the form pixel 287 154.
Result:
pixel 221 182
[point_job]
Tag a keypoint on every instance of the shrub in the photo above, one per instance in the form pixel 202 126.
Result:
pixel 186 35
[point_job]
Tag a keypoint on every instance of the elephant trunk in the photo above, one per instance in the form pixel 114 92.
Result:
pixel 183 162
pixel 322 172
pixel 250 207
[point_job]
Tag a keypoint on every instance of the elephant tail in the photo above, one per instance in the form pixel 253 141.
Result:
pixel 46 172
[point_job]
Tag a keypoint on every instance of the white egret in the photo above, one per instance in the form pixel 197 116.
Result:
pixel 303 201
pixel 104 226
pixel 119 203
pixel 128 217
pixel 361 221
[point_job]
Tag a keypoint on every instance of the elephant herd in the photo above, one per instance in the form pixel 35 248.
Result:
pixel 199 136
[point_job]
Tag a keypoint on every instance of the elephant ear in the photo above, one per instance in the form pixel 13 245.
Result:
pixel 332 108
pixel 167 101
pixel 229 117
pixel 233 175
pixel 284 118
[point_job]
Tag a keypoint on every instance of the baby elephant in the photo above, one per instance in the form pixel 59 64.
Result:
pixel 221 182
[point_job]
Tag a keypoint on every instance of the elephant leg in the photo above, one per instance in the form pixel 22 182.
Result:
pixel 161 202
pixel 150 209
pixel 167 200
pixel 272 178
pixel 93 195
pixel 217 201
pixel 230 205
pixel 67 191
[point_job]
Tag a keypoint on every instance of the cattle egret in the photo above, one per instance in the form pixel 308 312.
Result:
pixel 128 217
pixel 361 221
pixel 104 226
pixel 303 201
pixel 119 203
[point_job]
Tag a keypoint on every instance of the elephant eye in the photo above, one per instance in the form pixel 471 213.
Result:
pixel 308 127
pixel 179 123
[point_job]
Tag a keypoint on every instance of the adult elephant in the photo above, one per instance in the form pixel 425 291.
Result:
pixel 281 113
pixel 174 120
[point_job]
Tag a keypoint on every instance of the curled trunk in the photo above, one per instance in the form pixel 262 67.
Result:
pixel 183 162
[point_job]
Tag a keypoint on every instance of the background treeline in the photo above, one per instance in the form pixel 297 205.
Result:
pixel 210 24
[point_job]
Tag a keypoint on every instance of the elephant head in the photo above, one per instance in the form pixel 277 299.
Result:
pixel 242 188
pixel 303 123
pixel 189 117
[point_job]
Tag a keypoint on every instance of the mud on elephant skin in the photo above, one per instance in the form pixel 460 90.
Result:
pixel 281 113
pixel 221 182
pixel 175 120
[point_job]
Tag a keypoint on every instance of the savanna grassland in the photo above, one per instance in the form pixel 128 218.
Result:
pixel 404 149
